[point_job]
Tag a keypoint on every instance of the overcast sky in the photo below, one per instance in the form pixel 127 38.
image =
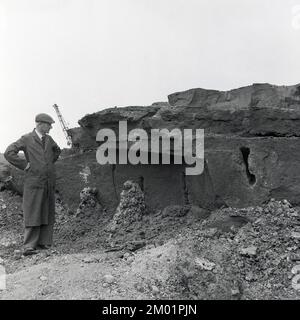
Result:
pixel 87 55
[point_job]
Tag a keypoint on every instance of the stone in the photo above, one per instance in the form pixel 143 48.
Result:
pixel 258 221
pixel 135 245
pixel 126 255
pixel 210 232
pixel 295 235
pixel 10 177
pixel 296 282
pixel 205 264
pixel 130 260
pixel 155 289
pixel 139 288
pixel 17 254
pixel 90 260
pixel 119 255
pixel 297 228
pixel 293 214
pixel 108 278
pixel 43 278
pixel 249 251
pixel 294 257
pixel 1 261
pixel 48 290
pixel 131 208
pixel 296 269
pixel 250 276
pixel 6 244
pixel 235 292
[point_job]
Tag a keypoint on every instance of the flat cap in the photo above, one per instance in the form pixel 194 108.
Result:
pixel 43 117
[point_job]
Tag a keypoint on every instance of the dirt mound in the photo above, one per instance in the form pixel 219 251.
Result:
pixel 259 260
pixel 83 255
pixel 131 228
pixel 11 216
pixel 179 252
pixel 131 208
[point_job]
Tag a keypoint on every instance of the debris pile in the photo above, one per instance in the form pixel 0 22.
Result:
pixel 7 181
pixel 269 246
pixel 4 176
pixel 61 210
pixel 11 222
pixel 88 199
pixel 260 260
pixel 176 211
pixel 248 253
pixel 131 208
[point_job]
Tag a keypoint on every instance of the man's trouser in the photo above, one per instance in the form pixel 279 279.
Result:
pixel 41 235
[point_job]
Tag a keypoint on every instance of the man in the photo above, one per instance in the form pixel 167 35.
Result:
pixel 40 152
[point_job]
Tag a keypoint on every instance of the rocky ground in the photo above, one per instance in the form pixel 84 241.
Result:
pixel 179 252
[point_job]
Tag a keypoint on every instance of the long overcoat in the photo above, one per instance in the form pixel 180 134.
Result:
pixel 39 185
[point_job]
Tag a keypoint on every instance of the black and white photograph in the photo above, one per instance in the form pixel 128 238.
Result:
pixel 150 150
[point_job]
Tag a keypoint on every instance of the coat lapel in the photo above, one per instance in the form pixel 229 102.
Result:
pixel 36 138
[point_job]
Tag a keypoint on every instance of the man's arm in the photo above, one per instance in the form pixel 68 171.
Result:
pixel 11 154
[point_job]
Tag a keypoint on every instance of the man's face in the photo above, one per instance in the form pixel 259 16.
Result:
pixel 44 127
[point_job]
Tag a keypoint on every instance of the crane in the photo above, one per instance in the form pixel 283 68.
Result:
pixel 63 124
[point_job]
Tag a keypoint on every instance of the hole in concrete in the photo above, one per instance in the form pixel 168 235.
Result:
pixel 251 177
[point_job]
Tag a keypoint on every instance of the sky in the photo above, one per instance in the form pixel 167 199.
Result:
pixel 88 55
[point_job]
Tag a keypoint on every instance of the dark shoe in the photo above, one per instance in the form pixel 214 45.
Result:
pixel 43 247
pixel 29 251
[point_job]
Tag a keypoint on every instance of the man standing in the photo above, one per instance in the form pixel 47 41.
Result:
pixel 40 152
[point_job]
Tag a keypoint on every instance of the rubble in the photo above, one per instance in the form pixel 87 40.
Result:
pixel 88 200
pixel 43 278
pixel 258 255
pixel 295 235
pixel 296 269
pixel 250 251
pixel 296 282
pixel 235 292
pixel 191 257
pixel 295 257
pixel 90 260
pixel 108 278
pixel 131 208
pixel 205 264
pixel 154 290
